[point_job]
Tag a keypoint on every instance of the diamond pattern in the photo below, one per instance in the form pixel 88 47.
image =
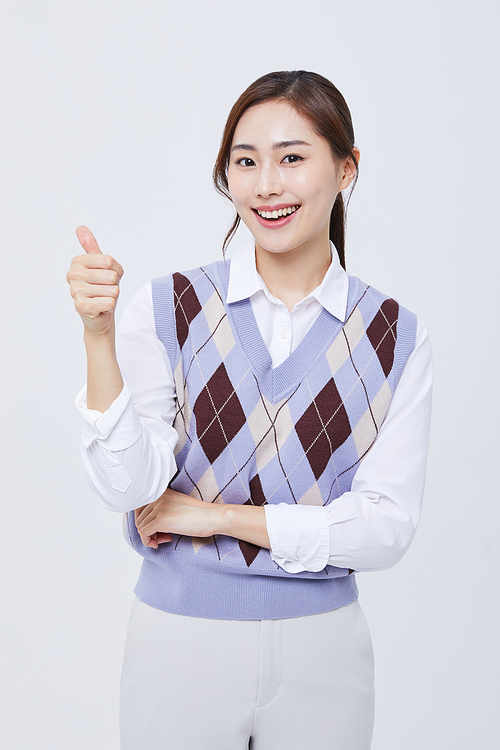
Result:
pixel 218 413
pixel 182 419
pixel 187 306
pixel 382 333
pixel 219 325
pixel 304 448
pixel 256 491
pixel 323 427
pixel 249 550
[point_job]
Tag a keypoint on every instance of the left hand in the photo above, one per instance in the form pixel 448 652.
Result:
pixel 175 513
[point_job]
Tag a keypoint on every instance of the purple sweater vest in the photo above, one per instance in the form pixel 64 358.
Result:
pixel 252 434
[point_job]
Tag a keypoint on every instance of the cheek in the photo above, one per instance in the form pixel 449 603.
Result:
pixel 235 188
pixel 327 189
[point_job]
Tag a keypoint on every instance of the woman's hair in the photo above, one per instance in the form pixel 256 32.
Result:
pixel 319 102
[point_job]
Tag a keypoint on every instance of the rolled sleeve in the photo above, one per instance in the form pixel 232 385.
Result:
pixel 117 428
pixel 128 451
pixel 299 536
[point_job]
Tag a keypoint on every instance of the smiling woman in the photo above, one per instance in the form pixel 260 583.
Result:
pixel 274 188
pixel 319 107
pixel 274 444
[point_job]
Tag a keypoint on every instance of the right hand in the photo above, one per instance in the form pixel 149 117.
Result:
pixel 94 284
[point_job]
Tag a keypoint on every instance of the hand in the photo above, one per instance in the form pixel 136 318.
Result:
pixel 94 284
pixel 176 513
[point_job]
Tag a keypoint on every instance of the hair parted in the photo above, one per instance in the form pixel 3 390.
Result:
pixel 322 104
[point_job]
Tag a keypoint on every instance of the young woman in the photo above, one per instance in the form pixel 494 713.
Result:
pixel 296 402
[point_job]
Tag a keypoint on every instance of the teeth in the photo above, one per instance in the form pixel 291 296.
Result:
pixel 277 214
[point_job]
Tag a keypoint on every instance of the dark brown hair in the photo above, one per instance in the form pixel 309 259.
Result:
pixel 317 100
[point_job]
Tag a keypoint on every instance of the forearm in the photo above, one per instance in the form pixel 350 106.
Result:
pixel 177 513
pixel 245 522
pixel 104 379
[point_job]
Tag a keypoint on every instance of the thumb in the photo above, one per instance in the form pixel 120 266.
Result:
pixel 87 240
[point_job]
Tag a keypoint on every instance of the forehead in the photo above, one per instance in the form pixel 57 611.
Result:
pixel 272 122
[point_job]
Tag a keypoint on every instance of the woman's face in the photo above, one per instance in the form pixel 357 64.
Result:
pixel 283 179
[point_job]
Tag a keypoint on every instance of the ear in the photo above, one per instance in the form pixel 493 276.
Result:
pixel 349 170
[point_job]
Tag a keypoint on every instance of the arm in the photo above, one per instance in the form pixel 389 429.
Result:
pixel 126 463
pixel 177 513
pixel 370 527
pixel 94 284
pixel 127 451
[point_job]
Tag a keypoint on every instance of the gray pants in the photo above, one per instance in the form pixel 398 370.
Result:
pixel 290 684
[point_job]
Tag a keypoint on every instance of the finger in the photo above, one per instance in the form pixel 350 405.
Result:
pixel 150 524
pixel 162 537
pixel 95 300
pixel 137 511
pixel 142 513
pixel 88 291
pixel 97 261
pixel 87 240
pixel 98 276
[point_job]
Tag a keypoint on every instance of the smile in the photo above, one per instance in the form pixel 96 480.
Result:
pixel 277 213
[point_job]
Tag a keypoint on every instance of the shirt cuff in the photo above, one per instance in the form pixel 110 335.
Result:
pixel 299 536
pixel 116 429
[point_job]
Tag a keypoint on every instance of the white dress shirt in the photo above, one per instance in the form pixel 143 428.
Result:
pixel 128 451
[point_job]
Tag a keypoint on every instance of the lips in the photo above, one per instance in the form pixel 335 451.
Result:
pixel 272 213
pixel 277 215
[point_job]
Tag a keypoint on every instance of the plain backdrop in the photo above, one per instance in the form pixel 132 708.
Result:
pixel 112 112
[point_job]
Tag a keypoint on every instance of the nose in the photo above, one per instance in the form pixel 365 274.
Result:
pixel 269 181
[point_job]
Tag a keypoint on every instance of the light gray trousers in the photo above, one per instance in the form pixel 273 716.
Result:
pixel 302 683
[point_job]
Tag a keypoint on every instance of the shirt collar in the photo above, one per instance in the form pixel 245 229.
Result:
pixel 244 281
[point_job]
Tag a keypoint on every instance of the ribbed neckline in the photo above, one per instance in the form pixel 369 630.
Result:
pixel 277 383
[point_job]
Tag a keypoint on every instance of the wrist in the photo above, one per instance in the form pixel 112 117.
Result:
pixel 222 519
pixel 105 337
pixel 245 522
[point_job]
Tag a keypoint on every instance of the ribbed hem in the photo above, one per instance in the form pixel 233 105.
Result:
pixel 186 588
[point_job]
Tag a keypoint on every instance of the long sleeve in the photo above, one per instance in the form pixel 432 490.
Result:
pixel 370 527
pixel 127 452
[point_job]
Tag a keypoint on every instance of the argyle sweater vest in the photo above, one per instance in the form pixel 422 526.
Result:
pixel 252 434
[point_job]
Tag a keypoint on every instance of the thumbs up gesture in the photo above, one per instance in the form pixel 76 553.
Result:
pixel 94 284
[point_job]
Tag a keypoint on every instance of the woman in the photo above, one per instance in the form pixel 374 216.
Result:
pixel 296 400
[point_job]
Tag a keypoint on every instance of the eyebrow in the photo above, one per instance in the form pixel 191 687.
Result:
pixel 276 146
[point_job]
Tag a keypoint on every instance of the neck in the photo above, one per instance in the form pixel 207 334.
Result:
pixel 290 276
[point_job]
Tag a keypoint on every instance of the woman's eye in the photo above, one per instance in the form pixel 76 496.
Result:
pixel 292 158
pixel 246 162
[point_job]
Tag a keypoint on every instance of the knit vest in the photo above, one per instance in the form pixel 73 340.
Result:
pixel 251 434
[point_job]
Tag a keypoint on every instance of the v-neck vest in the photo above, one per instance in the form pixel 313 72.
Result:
pixel 252 434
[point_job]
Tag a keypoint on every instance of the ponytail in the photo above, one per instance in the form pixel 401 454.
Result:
pixel 337 228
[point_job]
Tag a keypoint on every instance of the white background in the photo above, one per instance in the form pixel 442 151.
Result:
pixel 112 111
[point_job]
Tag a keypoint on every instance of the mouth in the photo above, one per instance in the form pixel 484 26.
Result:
pixel 276 214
